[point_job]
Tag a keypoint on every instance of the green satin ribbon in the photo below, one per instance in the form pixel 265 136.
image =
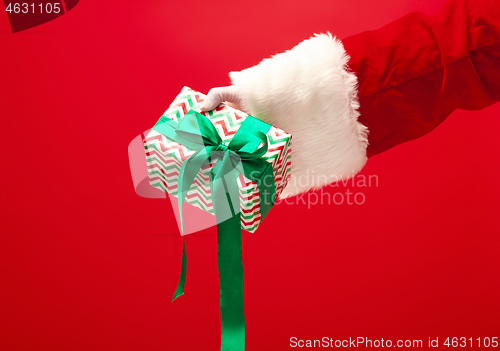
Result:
pixel 243 155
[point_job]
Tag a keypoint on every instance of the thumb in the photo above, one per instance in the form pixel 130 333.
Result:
pixel 218 95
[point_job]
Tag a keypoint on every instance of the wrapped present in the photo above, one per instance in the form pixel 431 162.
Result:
pixel 229 164
pixel 165 158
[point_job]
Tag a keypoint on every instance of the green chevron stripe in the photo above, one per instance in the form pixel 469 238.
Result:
pixel 188 96
pixel 164 177
pixel 250 203
pixel 250 217
pixel 208 208
pixel 160 185
pixel 247 203
pixel 196 189
pixel 173 112
pixel 246 208
pixel 191 201
pixel 149 158
pixel 167 143
pixel 228 117
pixel 277 141
pixel 175 168
pixel 254 225
pixel 247 190
pixel 250 230
pixel 195 202
pixel 153 145
pixel 193 190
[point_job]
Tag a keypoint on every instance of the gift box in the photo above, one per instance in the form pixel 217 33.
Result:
pixel 165 157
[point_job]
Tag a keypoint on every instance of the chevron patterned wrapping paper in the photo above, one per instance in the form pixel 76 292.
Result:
pixel 164 158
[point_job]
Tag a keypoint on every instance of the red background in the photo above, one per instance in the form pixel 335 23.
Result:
pixel 86 264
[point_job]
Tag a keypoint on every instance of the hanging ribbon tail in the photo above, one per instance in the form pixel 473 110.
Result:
pixel 187 174
pixel 182 278
pixel 231 285
pixel 224 190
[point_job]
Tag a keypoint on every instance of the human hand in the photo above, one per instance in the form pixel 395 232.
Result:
pixel 231 95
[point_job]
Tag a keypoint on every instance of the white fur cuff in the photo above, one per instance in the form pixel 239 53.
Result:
pixel 309 92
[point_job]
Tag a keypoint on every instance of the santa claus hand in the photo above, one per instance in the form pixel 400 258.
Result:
pixel 215 96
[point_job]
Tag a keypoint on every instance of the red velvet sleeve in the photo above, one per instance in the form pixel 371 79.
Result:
pixel 417 70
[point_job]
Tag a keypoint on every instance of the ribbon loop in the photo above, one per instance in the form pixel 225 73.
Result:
pixel 195 125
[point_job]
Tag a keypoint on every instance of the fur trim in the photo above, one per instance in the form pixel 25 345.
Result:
pixel 308 91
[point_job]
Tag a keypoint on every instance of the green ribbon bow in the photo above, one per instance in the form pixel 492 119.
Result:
pixel 243 155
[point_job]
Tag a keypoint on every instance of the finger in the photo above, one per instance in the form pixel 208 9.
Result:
pixel 213 99
pixel 217 95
